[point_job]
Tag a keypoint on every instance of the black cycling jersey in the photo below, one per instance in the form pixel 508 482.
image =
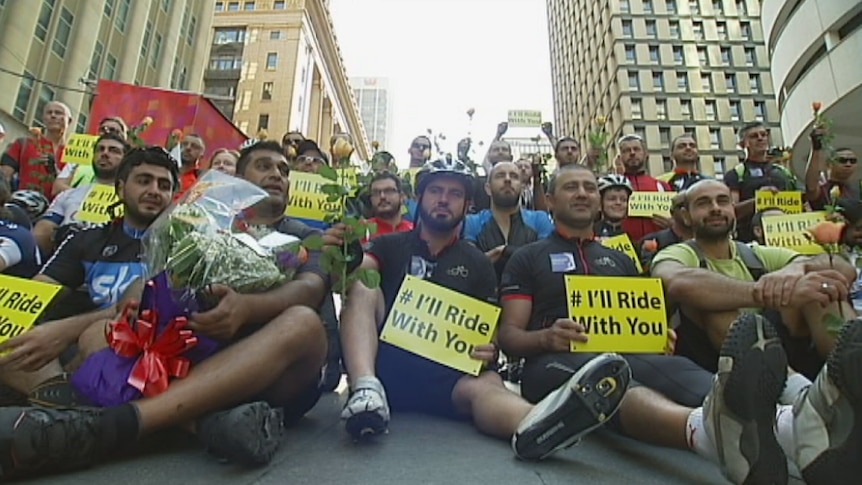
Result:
pixel 537 271
pixel 106 259
pixel 605 228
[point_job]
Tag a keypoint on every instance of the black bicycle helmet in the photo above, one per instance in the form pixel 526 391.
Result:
pixel 443 166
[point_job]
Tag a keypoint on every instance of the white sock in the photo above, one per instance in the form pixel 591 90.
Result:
pixel 698 441
pixel 784 432
pixel 796 383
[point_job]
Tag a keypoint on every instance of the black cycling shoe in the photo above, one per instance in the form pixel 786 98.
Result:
pixel 248 434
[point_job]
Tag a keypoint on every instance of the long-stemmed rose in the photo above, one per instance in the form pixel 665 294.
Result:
pixel 598 139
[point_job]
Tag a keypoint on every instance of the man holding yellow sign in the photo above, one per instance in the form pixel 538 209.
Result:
pixel 435 339
pixel 556 311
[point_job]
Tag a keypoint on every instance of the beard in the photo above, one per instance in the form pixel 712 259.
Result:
pixel 106 173
pixel 391 211
pixel 713 233
pixel 506 201
pixel 439 225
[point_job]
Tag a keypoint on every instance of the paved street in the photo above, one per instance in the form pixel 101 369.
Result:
pixel 418 450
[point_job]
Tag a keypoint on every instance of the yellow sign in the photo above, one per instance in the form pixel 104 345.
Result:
pixel 788 231
pixel 22 301
pixel 440 324
pixel 97 204
pixel 80 149
pixel 647 204
pixel 619 314
pixel 307 199
pixel 789 201
pixel 528 118
pixel 623 244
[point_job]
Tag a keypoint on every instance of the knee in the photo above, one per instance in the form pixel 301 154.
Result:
pixel 468 387
pixel 304 324
pixel 93 339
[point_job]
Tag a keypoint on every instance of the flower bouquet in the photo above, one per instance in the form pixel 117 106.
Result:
pixel 202 240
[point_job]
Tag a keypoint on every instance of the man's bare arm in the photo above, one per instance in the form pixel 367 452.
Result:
pixel 307 289
pixel 703 289
pixel 745 209
pixel 513 336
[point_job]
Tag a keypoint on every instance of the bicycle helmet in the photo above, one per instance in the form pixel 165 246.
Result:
pixel 613 180
pixel 444 166
pixel 34 203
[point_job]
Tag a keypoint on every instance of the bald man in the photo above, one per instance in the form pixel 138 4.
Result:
pixel 37 159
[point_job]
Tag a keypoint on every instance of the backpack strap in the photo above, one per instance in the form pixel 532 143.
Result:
pixel 749 258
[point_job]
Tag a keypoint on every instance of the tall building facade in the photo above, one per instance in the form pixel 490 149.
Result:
pixel 661 68
pixel 57 49
pixel 275 65
pixel 814 47
pixel 375 107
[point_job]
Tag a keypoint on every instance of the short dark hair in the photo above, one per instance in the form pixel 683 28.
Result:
pixel 386 175
pixel 748 127
pixel 245 153
pixel 851 209
pixel 117 120
pixel 680 137
pixel 149 155
pixel 115 137
pixel 564 139
pixel 552 182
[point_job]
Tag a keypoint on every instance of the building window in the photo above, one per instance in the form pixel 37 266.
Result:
pixel 630 53
pixel 166 5
pixel 145 44
pixel 64 29
pixel 190 35
pixel 730 82
pixel 25 90
pixel 624 6
pixel 685 109
pixel 709 108
pixel 157 50
pixel 661 109
pixel 706 82
pixel 745 30
pixel 278 5
pixel 628 32
pixel 667 164
pixel 650 29
pixel 228 36
pixel 653 53
pixel 697 30
pixel 272 61
pixel 637 109
pixel 694 7
pixel 670 5
pixel 44 21
pixel 648 6
pixel 664 136
pixel 714 141
pixel 759 110
pixel 122 15
pixel 248 6
pixel 673 27
pixel 754 82
pixel 717 7
pixel 677 55
pixel 640 131
pixel 233 6
pixel 266 94
pixel 109 8
pixel 219 7
pixel 681 81
pixel 263 122
pixel 658 81
pixel 82 122
pixel 634 82
pixel 741 8
pixel 749 56
pixel 225 63
pixel 96 60
pixel 734 110
pixel 275 35
pixel 718 166
pixel 110 67
pixel 702 58
pixel 725 56
pixel 721 30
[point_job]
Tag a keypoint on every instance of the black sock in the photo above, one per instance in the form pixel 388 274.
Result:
pixel 120 427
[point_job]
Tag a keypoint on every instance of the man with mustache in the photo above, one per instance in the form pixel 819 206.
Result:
pixel 506 226
pixel 386 196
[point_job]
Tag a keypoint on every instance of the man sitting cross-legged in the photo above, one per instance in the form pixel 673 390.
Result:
pixel 275 348
pixel 382 375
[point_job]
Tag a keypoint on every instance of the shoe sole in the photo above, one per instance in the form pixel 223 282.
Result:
pixel 752 391
pixel 256 436
pixel 587 408
pixel 843 465
pixel 365 425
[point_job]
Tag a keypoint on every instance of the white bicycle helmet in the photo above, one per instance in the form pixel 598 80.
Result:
pixel 34 203
pixel 613 180
pixel 443 166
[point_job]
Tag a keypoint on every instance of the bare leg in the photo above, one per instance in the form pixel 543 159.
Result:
pixel 496 410
pixel 715 324
pixel 813 318
pixel 286 354
pixel 652 418
pixel 359 324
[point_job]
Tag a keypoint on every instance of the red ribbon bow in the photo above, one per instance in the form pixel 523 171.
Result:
pixel 160 355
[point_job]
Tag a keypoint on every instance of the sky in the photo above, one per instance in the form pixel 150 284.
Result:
pixel 443 57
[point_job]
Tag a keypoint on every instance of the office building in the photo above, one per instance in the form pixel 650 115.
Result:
pixel 275 65
pixel 375 107
pixel 814 47
pixel 57 49
pixel 659 68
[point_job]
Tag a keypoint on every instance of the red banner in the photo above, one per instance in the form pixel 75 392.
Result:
pixel 191 113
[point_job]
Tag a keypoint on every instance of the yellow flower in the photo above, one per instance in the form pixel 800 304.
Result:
pixel 262 134
pixel 342 148
pixel 375 145
pixel 786 155
pixel 147 121
pixel 601 120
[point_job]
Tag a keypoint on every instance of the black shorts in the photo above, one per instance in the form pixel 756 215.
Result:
pixel 416 384
pixel 301 404
pixel 677 378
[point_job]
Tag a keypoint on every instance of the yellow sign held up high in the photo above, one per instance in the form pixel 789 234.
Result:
pixel 80 149
pixel 440 324
pixel 22 301
pixel 619 314
pixel 788 231
pixel 524 118
pixel 789 201
pixel 98 203
pixel 648 204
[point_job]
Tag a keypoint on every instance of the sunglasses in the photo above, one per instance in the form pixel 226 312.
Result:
pixel 108 129
pixel 850 160
pixel 307 159
pixel 421 146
